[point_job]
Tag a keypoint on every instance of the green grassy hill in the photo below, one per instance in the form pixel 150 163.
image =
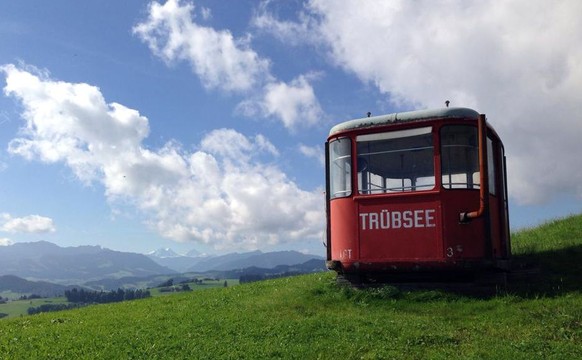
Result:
pixel 310 317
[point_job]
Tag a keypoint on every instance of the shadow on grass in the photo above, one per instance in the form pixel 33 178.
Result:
pixel 547 273
pixel 538 274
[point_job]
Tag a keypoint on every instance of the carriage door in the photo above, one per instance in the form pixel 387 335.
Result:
pixel 398 215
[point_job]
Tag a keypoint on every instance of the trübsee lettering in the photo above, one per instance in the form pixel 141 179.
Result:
pixel 408 219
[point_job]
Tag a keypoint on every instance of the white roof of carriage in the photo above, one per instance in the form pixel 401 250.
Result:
pixel 453 112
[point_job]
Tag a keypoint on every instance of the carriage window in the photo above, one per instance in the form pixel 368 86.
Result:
pixel 490 166
pixel 460 157
pixel 340 168
pixel 395 161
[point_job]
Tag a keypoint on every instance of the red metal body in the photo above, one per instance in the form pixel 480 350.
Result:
pixel 416 191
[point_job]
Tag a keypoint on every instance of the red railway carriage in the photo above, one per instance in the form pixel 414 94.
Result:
pixel 420 191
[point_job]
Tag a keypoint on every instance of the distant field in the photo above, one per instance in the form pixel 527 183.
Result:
pixel 310 317
pixel 20 307
pixel 206 284
pixel 9 295
pixel 17 308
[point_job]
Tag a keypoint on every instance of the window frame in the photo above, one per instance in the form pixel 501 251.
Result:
pixel 336 178
pixel 411 184
pixel 474 184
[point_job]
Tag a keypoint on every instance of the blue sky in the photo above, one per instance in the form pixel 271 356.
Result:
pixel 200 125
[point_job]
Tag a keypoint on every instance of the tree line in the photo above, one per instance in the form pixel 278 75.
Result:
pixel 101 297
pixel 81 297
pixel 51 307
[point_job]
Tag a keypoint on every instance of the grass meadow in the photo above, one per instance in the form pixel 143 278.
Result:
pixel 310 317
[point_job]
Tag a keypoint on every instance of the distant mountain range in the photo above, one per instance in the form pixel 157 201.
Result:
pixel 202 263
pixel 252 273
pixel 99 267
pixel 73 265
pixel 18 285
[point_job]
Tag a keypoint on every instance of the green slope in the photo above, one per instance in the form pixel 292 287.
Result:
pixel 309 317
pixel 555 248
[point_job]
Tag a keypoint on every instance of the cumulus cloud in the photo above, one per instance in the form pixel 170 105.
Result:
pixel 520 62
pixel 236 147
pixel 220 60
pixel 26 224
pixel 226 194
pixel 314 152
pixel 72 123
pixel 206 13
pixel 290 32
pixel 295 104
pixel 224 62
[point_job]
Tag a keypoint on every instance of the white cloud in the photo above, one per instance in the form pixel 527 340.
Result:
pixel 206 13
pixel 314 152
pixel 236 147
pixel 224 194
pixel 520 62
pixel 6 242
pixel 71 123
pixel 27 224
pixel 290 32
pixel 224 62
pixel 295 104
pixel 220 60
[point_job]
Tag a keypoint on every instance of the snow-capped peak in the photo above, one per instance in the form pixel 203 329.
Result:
pixel 164 253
